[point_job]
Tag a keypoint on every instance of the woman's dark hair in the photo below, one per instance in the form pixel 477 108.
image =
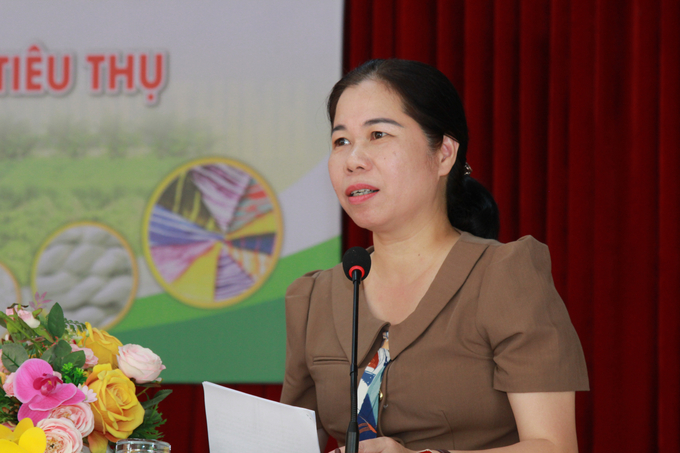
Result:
pixel 431 100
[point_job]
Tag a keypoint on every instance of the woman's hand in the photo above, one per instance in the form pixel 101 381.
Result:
pixel 379 445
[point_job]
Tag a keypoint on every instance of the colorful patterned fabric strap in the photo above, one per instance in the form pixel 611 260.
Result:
pixel 368 392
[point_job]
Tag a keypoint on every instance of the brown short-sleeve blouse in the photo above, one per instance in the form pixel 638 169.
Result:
pixel 490 323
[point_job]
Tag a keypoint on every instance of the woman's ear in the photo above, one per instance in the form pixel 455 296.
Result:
pixel 447 154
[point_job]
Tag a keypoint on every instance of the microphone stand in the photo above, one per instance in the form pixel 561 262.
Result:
pixel 352 436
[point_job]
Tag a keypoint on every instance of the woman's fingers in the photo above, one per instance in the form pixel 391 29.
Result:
pixel 377 445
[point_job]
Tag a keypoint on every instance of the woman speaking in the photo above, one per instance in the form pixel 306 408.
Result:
pixel 463 342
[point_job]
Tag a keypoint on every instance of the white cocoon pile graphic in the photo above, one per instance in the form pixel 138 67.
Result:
pixel 89 271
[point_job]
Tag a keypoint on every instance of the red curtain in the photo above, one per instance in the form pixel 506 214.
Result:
pixel 574 114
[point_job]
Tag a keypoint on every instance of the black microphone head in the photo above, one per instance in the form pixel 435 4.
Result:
pixel 356 258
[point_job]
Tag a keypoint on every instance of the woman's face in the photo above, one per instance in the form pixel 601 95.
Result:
pixel 382 169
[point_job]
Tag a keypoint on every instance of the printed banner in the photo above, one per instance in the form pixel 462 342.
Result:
pixel 163 170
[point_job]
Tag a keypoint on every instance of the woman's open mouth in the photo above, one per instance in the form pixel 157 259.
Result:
pixel 359 192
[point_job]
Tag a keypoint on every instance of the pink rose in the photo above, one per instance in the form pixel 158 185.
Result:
pixel 8 386
pixel 62 435
pixel 27 317
pixel 90 359
pixel 80 414
pixel 139 363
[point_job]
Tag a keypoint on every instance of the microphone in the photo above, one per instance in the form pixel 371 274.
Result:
pixel 356 259
pixel 356 263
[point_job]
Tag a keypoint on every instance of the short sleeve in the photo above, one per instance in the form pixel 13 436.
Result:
pixel 298 386
pixel 535 346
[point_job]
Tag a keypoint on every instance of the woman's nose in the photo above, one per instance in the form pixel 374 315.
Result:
pixel 357 160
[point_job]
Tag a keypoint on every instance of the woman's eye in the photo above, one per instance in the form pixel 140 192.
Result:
pixel 377 134
pixel 341 142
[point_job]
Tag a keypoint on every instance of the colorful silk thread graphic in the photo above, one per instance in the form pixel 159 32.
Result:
pixel 213 232
pixel 368 392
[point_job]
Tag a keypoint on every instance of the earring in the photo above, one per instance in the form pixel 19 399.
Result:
pixel 468 169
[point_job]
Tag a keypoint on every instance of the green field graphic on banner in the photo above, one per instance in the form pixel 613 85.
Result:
pixel 177 331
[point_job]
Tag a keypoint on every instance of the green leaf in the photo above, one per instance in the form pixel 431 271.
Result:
pixel 75 326
pixel 48 356
pixel 56 354
pixel 40 330
pixel 72 375
pixel 149 427
pixel 77 358
pixel 62 349
pixel 13 355
pixel 157 398
pixel 9 407
pixel 55 321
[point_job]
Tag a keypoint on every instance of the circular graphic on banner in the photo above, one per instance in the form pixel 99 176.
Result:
pixel 9 288
pixel 90 270
pixel 212 232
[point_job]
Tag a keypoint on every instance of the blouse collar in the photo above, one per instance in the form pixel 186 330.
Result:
pixel 451 275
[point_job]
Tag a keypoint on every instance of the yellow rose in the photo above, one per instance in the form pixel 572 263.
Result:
pixel 103 345
pixel 117 412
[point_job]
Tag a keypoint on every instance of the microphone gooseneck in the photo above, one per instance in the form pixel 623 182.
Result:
pixel 356 263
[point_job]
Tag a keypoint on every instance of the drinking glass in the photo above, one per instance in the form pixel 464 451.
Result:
pixel 142 446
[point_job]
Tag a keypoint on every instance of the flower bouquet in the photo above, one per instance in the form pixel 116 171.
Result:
pixel 67 385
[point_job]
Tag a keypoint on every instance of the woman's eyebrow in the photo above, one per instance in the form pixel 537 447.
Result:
pixel 370 122
pixel 381 120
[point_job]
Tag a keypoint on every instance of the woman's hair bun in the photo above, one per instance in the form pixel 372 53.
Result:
pixel 474 211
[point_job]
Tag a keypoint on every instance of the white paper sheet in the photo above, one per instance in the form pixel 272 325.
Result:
pixel 243 423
